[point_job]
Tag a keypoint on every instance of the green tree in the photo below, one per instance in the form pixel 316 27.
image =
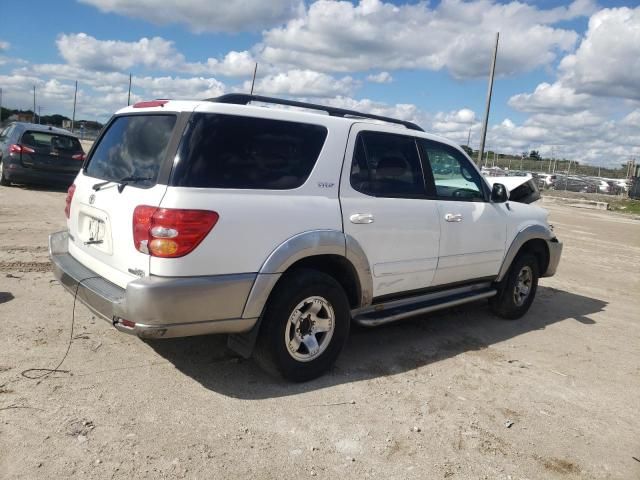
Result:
pixel 467 150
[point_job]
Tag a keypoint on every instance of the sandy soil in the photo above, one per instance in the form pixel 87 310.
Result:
pixel 459 394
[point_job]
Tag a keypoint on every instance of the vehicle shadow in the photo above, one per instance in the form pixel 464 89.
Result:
pixel 378 352
pixel 6 297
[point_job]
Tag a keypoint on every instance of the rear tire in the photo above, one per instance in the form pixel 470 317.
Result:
pixel 518 289
pixel 3 180
pixel 305 326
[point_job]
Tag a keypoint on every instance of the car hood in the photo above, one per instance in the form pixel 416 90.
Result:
pixel 523 189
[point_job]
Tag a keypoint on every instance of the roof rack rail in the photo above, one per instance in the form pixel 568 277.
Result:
pixel 244 99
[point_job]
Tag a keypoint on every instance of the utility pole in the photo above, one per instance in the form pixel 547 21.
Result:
pixel 469 136
pixel 73 117
pixel 490 91
pixel 39 114
pixel 0 105
pixel 253 80
pixel 33 117
pixel 129 95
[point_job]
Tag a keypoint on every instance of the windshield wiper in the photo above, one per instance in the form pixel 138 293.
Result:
pixel 123 182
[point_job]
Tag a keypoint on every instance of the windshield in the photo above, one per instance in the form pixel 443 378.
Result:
pixel 133 146
pixel 51 142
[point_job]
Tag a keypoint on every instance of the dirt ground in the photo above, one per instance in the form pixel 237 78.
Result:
pixel 459 394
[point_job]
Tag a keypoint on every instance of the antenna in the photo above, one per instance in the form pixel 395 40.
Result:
pixel 73 117
pixel 129 96
pixel 486 113
pixel 253 81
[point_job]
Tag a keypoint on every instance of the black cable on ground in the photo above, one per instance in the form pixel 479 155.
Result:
pixel 45 372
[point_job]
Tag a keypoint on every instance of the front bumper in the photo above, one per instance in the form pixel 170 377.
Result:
pixel 555 252
pixel 157 307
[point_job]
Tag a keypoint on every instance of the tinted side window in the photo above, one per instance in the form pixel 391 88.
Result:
pixel 133 146
pixel 454 178
pixel 387 165
pixel 228 151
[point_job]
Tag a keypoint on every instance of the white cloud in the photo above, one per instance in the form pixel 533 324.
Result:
pixel 234 64
pixel 382 77
pixel 459 125
pixel 455 35
pixel 206 15
pixel 4 46
pixel 551 98
pixel 302 83
pixel 607 62
pixel 196 88
pixel 85 51
pixel 402 111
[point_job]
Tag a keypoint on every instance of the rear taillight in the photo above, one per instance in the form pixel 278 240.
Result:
pixel 79 156
pixel 70 192
pixel 15 148
pixel 170 232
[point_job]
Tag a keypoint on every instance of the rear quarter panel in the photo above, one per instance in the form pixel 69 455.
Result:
pixel 253 223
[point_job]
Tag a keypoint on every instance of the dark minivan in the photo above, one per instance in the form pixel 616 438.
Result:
pixel 39 154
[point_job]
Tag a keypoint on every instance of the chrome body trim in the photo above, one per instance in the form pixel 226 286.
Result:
pixel 374 322
pixel 160 306
pixel 306 244
pixel 530 232
pixel 189 329
pixel 259 294
pixel 309 244
pixel 355 254
pixel 421 298
pixel 555 252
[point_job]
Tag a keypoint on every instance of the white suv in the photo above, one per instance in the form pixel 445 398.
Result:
pixel 281 226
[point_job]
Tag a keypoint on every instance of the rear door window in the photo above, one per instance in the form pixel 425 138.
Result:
pixel 387 165
pixel 228 151
pixel 133 146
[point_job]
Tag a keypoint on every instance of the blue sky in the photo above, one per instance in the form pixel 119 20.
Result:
pixel 425 62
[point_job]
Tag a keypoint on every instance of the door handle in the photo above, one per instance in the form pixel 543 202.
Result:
pixel 453 217
pixel 364 218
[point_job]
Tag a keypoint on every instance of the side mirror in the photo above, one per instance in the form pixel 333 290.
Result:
pixel 499 193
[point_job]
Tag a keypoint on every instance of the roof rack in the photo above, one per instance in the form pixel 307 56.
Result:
pixel 244 99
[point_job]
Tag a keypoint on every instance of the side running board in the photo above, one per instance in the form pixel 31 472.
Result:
pixel 380 314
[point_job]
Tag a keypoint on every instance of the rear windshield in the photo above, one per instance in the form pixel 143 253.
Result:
pixel 228 151
pixel 50 141
pixel 134 146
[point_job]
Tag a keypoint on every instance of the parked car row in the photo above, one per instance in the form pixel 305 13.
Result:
pixel 586 184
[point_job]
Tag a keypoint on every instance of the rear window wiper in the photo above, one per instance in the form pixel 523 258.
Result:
pixel 123 182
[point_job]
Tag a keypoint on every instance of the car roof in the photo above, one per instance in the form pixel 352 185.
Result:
pixel 280 113
pixel 35 127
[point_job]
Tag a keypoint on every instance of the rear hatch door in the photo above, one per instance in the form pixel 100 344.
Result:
pixel 51 151
pixel 128 167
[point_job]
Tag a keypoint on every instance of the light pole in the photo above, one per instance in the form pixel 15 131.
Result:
pixel 486 113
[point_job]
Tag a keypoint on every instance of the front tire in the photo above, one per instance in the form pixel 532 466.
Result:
pixel 305 326
pixel 517 291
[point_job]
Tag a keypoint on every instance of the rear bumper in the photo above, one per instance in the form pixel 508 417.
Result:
pixel 555 252
pixel 157 307
pixel 16 173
